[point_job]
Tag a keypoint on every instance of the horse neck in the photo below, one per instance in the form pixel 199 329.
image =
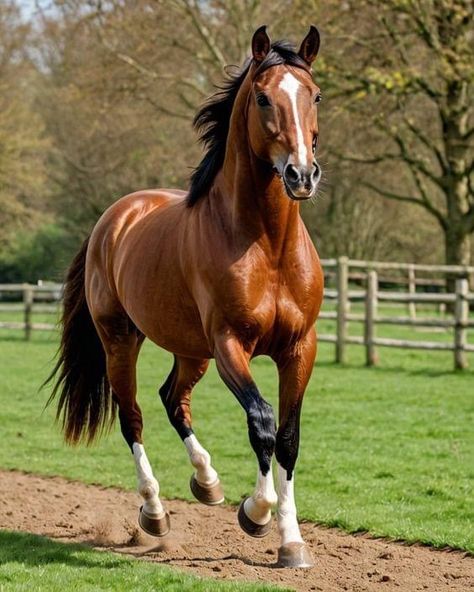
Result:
pixel 252 193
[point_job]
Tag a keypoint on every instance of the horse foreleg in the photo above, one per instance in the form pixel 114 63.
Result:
pixel 294 368
pixel 176 397
pixel 233 366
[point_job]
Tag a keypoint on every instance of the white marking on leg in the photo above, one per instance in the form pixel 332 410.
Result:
pixel 201 461
pixel 290 85
pixel 148 486
pixel 258 507
pixel 286 514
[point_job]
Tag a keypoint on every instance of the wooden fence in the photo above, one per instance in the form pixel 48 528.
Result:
pixel 371 296
pixel 29 299
pixel 344 273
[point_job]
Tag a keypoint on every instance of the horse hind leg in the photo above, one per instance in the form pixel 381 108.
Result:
pixel 122 344
pixel 176 397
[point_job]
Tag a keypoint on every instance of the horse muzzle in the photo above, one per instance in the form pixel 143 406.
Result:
pixel 301 182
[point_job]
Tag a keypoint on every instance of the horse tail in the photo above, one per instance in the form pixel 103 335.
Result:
pixel 85 404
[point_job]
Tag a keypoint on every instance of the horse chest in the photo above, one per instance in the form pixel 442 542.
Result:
pixel 271 310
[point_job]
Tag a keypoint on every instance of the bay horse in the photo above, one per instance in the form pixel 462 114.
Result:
pixel 227 271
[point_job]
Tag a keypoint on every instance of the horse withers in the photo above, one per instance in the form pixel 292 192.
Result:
pixel 227 271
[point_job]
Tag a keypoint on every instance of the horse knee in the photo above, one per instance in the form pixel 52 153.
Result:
pixel 262 432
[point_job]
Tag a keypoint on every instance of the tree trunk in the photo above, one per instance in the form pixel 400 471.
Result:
pixel 454 116
pixel 457 246
pixel 457 252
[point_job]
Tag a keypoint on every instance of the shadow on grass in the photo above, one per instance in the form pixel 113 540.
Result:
pixel 33 550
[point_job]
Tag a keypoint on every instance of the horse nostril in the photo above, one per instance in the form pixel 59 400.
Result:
pixel 292 174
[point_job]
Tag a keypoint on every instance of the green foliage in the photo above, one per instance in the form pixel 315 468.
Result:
pixel 41 254
pixel 24 144
pixel 387 450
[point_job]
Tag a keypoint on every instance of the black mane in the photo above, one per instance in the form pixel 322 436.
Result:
pixel 212 119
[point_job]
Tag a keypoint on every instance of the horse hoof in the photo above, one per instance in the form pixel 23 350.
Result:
pixel 157 527
pixel 295 555
pixel 249 526
pixel 211 496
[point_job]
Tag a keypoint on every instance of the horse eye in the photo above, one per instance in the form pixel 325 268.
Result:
pixel 262 100
pixel 318 98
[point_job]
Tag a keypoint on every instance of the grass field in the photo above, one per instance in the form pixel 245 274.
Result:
pixel 31 563
pixel 387 450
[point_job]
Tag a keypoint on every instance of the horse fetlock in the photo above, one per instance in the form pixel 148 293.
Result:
pixel 265 499
pixel 258 512
pixel 149 489
pixel 200 459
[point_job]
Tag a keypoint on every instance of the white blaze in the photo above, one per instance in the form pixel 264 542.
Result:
pixel 290 85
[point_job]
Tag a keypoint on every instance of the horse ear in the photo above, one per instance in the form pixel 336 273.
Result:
pixel 310 46
pixel 260 44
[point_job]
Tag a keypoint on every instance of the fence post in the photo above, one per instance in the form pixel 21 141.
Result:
pixel 411 290
pixel 28 302
pixel 370 316
pixel 461 316
pixel 342 303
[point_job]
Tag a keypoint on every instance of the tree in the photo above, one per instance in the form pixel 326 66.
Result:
pixel 414 88
pixel 118 82
pixel 123 82
pixel 23 147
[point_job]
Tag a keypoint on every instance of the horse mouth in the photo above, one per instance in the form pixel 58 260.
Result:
pixel 294 197
pixel 289 191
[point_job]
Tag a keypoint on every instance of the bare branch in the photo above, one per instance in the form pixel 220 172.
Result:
pixel 429 206
pixel 468 134
pixel 369 160
pixel 161 109
pixel 405 198
pixel 426 142
pixel 136 65
pixel 405 155
pixel 205 34
pixel 468 219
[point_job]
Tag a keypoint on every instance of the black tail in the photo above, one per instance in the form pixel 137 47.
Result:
pixel 85 403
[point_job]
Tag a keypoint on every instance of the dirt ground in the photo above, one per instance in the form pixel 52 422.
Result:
pixel 208 542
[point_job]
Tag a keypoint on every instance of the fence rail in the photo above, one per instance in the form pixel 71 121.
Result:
pixel 32 298
pixel 372 295
pixel 344 271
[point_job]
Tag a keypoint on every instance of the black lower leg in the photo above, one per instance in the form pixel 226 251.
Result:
pixel 287 441
pixel 261 425
pixel 167 388
pixel 175 406
pixel 178 421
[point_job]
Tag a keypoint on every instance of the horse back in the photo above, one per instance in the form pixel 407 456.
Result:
pixel 134 271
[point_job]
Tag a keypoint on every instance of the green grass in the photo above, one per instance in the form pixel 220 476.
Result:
pixel 387 450
pixel 32 563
